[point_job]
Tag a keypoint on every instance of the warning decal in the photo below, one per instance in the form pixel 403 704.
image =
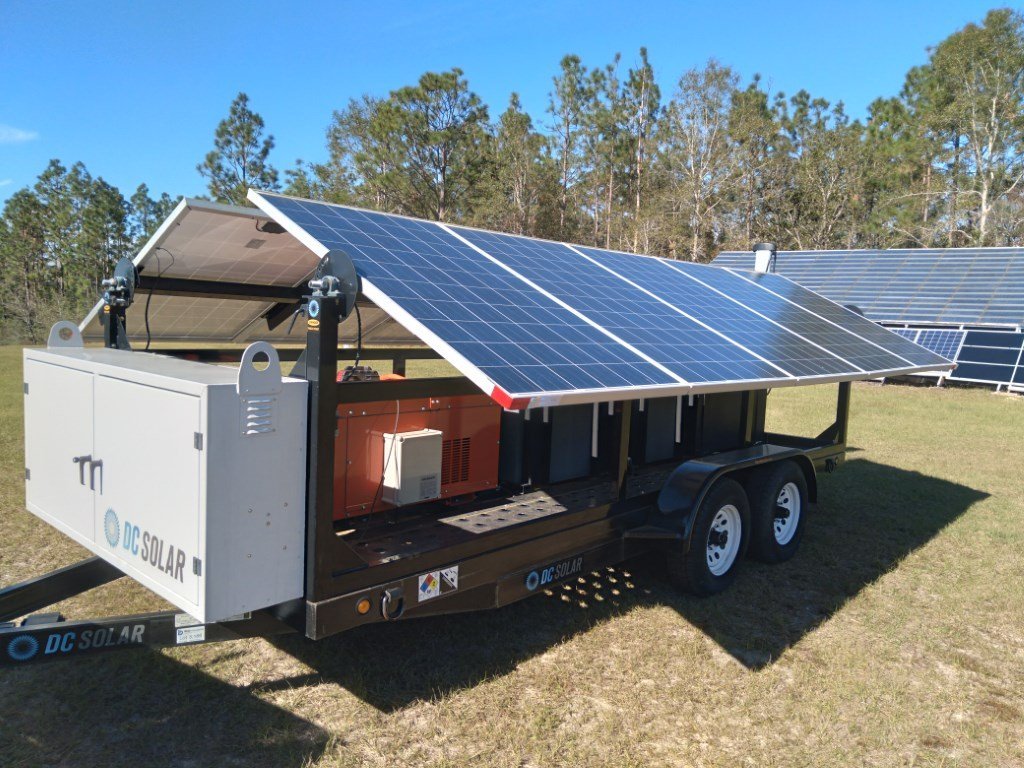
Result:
pixel 450 578
pixel 430 586
pixel 437 583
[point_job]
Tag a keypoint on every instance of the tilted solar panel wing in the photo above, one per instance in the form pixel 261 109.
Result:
pixel 542 323
pixel 205 246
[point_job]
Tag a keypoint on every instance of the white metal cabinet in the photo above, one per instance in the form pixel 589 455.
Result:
pixel 163 481
pixel 59 445
pixel 190 479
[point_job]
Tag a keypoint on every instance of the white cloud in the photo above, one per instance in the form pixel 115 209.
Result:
pixel 11 135
pixel 5 182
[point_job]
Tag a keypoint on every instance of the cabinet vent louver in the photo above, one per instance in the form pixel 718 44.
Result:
pixel 257 415
pixel 455 461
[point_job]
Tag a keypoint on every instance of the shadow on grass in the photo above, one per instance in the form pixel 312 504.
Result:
pixel 140 708
pixel 870 517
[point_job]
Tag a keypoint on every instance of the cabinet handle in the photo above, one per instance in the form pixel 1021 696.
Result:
pixel 93 464
pixel 81 461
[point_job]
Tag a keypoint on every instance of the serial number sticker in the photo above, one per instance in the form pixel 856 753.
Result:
pixel 184 620
pixel 190 635
pixel 549 574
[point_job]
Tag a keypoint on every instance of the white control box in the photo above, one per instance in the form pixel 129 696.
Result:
pixel 188 477
pixel 412 466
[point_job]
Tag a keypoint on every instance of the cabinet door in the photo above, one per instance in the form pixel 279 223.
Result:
pixel 149 499
pixel 58 445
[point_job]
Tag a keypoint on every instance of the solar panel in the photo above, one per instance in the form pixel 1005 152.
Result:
pixel 833 313
pixel 990 357
pixel 543 322
pixel 945 343
pixel 798 338
pixel 654 327
pixel 219 243
pixel 949 286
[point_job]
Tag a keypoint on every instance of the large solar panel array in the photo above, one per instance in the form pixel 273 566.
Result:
pixel 970 286
pixel 539 322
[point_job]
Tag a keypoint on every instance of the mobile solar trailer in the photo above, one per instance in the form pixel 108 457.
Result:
pixel 657 451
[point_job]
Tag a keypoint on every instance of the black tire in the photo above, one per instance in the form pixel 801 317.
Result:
pixel 773 539
pixel 690 571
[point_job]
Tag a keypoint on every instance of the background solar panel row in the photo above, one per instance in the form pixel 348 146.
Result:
pixel 941 342
pixel 954 286
pixel 536 316
pixel 985 357
pixel 991 357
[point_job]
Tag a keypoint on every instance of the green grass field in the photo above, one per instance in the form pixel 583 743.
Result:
pixel 894 638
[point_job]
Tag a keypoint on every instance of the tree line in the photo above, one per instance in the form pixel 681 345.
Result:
pixel 717 163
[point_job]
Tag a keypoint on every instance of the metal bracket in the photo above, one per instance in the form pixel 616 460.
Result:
pixel 259 381
pixel 62 334
pixel 336 277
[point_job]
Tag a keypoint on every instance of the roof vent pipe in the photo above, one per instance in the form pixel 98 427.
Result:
pixel 764 257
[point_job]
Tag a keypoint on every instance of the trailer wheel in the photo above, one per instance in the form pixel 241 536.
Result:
pixel 719 540
pixel 779 503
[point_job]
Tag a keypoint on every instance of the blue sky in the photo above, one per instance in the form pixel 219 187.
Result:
pixel 136 89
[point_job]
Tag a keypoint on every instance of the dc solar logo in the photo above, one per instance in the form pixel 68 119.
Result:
pixel 23 648
pixel 314 308
pixel 533 581
pixel 112 527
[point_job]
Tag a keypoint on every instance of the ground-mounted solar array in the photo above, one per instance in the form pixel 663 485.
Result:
pixel 945 300
pixel 955 286
pixel 991 357
pixel 543 322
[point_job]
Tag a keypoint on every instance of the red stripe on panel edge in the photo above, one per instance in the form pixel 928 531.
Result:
pixel 506 401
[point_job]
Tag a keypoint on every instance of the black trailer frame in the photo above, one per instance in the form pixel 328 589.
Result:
pixel 504 547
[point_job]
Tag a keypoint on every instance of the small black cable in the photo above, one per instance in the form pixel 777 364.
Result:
pixel 149 296
pixel 359 335
pixel 387 460
pixel 350 371
pixel 145 315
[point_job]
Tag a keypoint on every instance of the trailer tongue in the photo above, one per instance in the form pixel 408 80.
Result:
pixel 608 406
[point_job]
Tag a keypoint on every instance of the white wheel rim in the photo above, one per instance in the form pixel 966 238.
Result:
pixel 787 514
pixel 724 539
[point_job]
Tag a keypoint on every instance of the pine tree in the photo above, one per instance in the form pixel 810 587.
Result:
pixel 567 105
pixel 239 157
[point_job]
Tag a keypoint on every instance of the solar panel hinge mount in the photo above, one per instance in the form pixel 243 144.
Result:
pixel 335 278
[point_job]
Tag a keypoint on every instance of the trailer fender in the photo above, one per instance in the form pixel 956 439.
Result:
pixel 690 482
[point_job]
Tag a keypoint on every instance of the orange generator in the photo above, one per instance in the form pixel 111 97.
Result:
pixel 368 433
